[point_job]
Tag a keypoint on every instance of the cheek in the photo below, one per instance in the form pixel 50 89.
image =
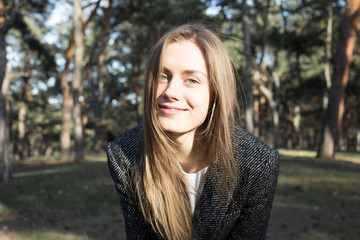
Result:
pixel 202 100
pixel 159 90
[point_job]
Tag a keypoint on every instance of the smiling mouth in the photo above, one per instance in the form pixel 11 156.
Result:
pixel 169 110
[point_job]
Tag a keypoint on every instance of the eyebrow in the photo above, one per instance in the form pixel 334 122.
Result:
pixel 188 72
pixel 194 71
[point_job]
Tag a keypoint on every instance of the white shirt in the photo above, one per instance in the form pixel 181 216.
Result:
pixel 195 184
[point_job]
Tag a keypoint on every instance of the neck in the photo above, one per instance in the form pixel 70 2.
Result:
pixel 192 154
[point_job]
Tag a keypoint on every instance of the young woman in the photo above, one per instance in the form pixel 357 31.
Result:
pixel 189 172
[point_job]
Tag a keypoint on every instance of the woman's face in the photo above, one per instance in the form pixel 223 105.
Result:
pixel 183 93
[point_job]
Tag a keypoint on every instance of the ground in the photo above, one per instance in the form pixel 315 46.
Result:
pixel 47 199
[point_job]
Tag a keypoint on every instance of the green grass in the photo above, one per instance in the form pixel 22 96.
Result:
pixel 316 199
pixel 51 200
pixel 47 200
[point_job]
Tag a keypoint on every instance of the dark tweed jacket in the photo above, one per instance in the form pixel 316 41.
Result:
pixel 245 217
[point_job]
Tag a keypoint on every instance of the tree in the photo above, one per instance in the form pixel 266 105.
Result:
pixel 328 42
pixel 99 89
pixel 65 136
pixel 261 79
pixel 95 57
pixel 22 110
pixel 342 60
pixel 5 25
pixel 76 81
pixel 249 111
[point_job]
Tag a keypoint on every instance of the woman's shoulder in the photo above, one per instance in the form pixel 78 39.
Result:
pixel 253 153
pixel 126 147
pixel 129 137
pixel 249 141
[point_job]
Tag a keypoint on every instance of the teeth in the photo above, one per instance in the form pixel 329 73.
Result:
pixel 170 109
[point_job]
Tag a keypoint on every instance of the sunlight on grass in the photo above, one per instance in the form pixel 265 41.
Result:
pixel 55 200
pixel 69 168
pixel 297 153
pixel 4 210
pixel 349 157
pixel 339 156
pixel 40 234
pixel 322 193
pixel 48 200
pixel 96 157
pixel 46 158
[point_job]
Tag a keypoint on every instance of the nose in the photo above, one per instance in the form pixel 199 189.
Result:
pixel 173 89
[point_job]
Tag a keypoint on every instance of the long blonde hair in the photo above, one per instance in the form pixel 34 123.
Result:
pixel 161 187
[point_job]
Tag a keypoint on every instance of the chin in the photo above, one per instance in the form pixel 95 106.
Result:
pixel 171 129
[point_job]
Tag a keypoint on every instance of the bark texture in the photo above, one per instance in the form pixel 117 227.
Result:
pixel 21 149
pixel 5 169
pixel 65 137
pixel 98 58
pixel 249 109
pixel 342 60
pixel 5 166
pixel 76 83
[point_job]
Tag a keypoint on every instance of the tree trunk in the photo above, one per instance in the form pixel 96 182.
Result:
pixel 328 52
pixel 22 113
pixel 249 109
pixel 5 167
pixel 328 42
pixel 358 128
pixel 66 121
pixel 358 139
pixel 260 77
pixel 21 130
pixel 5 90
pixel 342 60
pixel 99 99
pixel 269 96
pixel 65 137
pixel 256 115
pixel 138 101
pixel 76 83
pixel 276 115
pixel 296 123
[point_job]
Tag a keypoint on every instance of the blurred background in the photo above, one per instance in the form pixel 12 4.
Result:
pixel 72 79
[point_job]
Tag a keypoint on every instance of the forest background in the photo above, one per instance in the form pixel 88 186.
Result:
pixel 72 72
pixel 72 79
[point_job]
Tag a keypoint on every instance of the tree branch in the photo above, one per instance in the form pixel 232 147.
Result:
pixel 13 14
pixel 91 15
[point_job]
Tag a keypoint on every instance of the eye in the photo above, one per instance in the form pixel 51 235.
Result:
pixel 192 81
pixel 163 77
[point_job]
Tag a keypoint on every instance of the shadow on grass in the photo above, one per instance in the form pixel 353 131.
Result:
pixel 47 200
pixel 316 200
pixel 60 201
